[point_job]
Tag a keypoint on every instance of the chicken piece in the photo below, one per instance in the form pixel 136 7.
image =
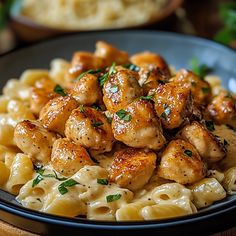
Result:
pixel 209 147
pixel 56 112
pixel 86 91
pixel 83 61
pixel 201 90
pixel 111 54
pixel 150 61
pixel 121 89
pixel 33 139
pixel 138 126
pixel 173 104
pixel 46 84
pixel 222 109
pixel 132 168
pixel 181 162
pixel 67 157
pixel 90 128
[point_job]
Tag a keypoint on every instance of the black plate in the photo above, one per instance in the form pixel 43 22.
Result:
pixel 178 51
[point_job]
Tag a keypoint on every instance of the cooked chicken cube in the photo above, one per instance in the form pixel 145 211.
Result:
pixel 200 89
pixel 121 89
pixel 90 128
pixel 208 146
pixel 46 84
pixel 182 163
pixel 111 54
pixel 86 91
pixel 138 126
pixel 67 157
pixel 132 168
pixel 33 139
pixel 56 112
pixel 150 61
pixel 173 104
pixel 83 61
pixel 223 109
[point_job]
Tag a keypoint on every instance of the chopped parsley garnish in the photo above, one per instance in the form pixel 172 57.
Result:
pixel 102 181
pixel 149 97
pixel 200 70
pixel 123 115
pixel 97 123
pixel 37 180
pixel 205 90
pixel 88 72
pixel 166 112
pixel 114 89
pixel 210 125
pixel 62 188
pixel 104 78
pixel 58 89
pixel 132 67
pixel 96 107
pixel 111 198
pixel 188 152
pixel 81 108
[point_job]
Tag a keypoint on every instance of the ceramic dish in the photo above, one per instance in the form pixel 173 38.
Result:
pixel 178 51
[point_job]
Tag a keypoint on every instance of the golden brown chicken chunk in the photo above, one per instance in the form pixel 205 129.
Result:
pixel 150 61
pixel 56 112
pixel 86 91
pixel 83 61
pixel 222 109
pixel 33 139
pixel 132 168
pixel 181 162
pixel 138 126
pixel 208 146
pixel 121 89
pixel 200 89
pixel 67 157
pixel 90 128
pixel 111 54
pixel 173 104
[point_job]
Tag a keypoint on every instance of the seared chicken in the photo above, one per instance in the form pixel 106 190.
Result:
pixel 111 54
pixel 56 112
pixel 182 163
pixel 121 89
pixel 90 128
pixel 86 91
pixel 67 157
pixel 200 89
pixel 132 168
pixel 33 139
pixel 138 126
pixel 173 104
pixel 209 147
pixel 223 109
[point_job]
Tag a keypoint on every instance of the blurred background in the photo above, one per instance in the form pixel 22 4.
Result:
pixel 23 22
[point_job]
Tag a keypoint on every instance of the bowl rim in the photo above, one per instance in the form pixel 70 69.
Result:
pixel 16 17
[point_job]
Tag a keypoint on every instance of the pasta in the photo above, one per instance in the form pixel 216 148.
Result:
pixel 85 138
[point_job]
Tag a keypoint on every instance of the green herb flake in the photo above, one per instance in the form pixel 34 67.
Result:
pixel 132 67
pixel 102 181
pixel 96 107
pixel 112 69
pixel 149 97
pixel 205 90
pixel 81 109
pixel 62 188
pixel 114 89
pixel 109 119
pixel 210 125
pixel 97 123
pixel 123 115
pixel 54 175
pixel 58 89
pixel 37 180
pixel 188 153
pixel 200 70
pixel 166 112
pixel 111 198
pixel 88 72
